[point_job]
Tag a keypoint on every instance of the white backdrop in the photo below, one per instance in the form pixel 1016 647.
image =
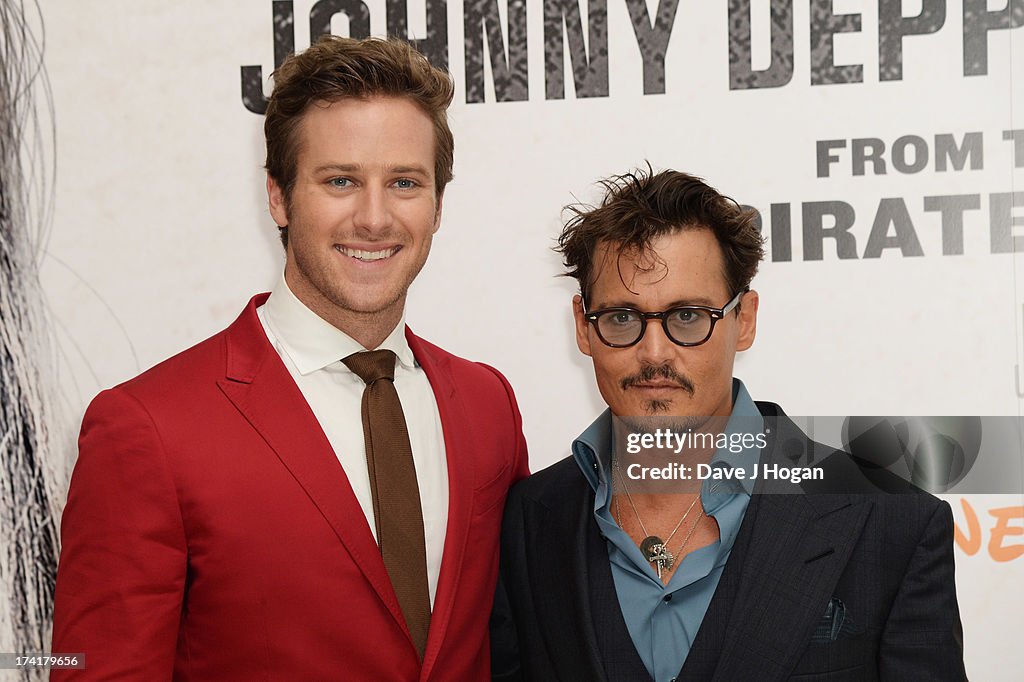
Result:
pixel 160 231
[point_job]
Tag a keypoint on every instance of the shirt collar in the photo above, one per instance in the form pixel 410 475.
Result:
pixel 592 449
pixel 313 343
pixel 745 418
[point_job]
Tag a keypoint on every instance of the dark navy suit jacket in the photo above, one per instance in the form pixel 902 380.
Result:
pixel 829 586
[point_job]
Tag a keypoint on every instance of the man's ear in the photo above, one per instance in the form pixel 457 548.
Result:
pixel 437 213
pixel 275 199
pixel 747 318
pixel 582 327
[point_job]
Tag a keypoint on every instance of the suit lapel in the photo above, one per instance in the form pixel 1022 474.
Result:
pixel 799 547
pixel 260 387
pixel 460 490
pixel 560 566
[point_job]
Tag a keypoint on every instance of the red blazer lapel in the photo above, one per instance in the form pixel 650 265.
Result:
pixel 460 491
pixel 259 385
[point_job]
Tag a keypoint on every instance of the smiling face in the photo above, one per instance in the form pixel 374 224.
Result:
pixel 656 376
pixel 363 210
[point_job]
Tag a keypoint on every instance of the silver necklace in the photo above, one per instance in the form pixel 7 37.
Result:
pixel 689 533
pixel 654 549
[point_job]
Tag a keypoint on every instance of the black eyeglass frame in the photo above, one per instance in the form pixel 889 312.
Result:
pixel 715 313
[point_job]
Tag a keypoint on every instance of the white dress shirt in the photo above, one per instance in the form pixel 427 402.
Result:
pixel 312 349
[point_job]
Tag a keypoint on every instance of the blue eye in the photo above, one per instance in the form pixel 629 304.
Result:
pixel 340 182
pixel 405 183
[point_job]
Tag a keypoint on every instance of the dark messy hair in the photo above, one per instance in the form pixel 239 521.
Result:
pixel 640 206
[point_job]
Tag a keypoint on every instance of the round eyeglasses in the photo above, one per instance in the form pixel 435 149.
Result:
pixel 687 325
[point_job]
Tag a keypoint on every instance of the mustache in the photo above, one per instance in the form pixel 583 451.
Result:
pixel 651 372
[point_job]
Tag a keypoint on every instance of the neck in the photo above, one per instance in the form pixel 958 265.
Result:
pixel 650 504
pixel 369 329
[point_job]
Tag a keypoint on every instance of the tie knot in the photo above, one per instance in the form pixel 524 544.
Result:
pixel 372 365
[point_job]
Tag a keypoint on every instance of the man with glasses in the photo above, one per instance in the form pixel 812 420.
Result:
pixel 618 563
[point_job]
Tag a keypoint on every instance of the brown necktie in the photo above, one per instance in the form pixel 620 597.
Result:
pixel 396 495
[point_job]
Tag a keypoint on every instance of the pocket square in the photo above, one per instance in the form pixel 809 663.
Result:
pixel 835 621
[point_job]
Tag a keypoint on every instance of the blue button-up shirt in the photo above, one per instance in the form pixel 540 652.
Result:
pixel 663 619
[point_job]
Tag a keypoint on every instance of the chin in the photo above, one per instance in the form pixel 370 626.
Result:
pixel 657 408
pixel 368 298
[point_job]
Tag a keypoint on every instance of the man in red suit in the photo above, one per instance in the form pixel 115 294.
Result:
pixel 262 505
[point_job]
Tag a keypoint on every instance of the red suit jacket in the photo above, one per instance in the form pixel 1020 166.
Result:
pixel 210 532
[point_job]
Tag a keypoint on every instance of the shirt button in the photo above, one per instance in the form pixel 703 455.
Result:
pixel 668 597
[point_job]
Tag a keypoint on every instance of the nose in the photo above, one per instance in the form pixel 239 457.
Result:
pixel 372 210
pixel 655 347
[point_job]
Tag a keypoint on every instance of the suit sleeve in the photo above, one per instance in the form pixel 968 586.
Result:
pixel 505 654
pixel 521 460
pixel 121 575
pixel 521 463
pixel 923 637
pixel 503 636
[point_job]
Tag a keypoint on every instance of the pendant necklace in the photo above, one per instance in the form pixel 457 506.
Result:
pixel 654 549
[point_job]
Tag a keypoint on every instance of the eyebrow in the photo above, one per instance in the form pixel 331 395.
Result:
pixel 698 300
pixel 343 167
pixel 414 168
